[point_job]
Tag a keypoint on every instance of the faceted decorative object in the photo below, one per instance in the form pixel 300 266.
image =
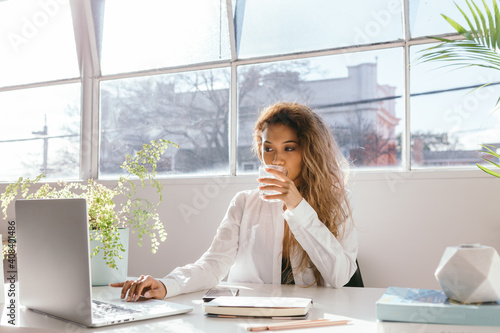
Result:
pixel 470 273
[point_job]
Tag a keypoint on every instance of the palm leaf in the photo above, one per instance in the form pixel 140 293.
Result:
pixel 484 28
pixel 488 171
pixel 480 48
pixel 481 44
pixel 496 42
pixel 490 151
pixel 478 30
pixel 492 163
pixel 462 53
pixel 461 30
pixel 491 26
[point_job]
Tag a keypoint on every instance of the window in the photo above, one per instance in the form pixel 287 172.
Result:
pixel 426 20
pixel 450 118
pixel 190 109
pixel 358 95
pixel 37 43
pixel 40 123
pixel 148 34
pixel 40 132
pixel 275 27
pixel 197 72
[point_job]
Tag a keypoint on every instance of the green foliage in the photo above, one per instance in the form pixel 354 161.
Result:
pixel 105 216
pixel 490 150
pixel 480 48
pixel 482 40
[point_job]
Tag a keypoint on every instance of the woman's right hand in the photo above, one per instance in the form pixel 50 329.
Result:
pixel 145 286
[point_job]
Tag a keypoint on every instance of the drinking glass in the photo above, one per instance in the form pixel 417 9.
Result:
pixel 264 174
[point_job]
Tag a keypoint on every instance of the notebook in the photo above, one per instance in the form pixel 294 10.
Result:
pixel 259 306
pixel 54 268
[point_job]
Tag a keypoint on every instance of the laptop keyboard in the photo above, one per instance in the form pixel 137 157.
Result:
pixel 102 310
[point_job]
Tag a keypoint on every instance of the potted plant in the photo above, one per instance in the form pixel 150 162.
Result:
pixel 107 214
pixel 479 48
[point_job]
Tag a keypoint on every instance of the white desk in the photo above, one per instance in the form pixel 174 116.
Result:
pixel 352 302
pixel 356 303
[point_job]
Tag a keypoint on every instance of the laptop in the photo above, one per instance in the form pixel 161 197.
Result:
pixel 54 268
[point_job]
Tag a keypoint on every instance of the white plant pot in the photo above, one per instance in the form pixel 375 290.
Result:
pixel 102 274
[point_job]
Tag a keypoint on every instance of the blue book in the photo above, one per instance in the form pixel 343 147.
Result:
pixel 433 307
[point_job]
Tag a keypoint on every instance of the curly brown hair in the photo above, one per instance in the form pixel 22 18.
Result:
pixel 324 171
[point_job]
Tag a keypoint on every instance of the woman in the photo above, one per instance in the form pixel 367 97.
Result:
pixel 307 238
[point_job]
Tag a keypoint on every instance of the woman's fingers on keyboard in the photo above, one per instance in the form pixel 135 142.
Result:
pixel 146 286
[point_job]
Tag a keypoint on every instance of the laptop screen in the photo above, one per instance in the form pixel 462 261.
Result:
pixel 53 257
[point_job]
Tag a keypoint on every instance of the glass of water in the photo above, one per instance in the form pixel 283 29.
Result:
pixel 264 174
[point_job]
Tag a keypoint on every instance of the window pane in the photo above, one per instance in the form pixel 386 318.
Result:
pixel 148 34
pixel 283 26
pixel 37 43
pixel 358 95
pixel 190 109
pixel 40 132
pixel 449 119
pixel 426 19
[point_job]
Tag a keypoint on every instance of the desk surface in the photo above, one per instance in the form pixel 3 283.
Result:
pixel 357 303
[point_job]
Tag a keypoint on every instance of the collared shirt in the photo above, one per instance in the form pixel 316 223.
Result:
pixel 249 243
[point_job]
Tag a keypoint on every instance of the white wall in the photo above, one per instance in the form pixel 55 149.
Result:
pixel 405 222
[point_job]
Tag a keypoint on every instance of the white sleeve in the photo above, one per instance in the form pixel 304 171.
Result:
pixel 214 264
pixel 335 259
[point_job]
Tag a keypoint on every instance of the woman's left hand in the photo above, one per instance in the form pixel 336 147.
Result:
pixel 290 195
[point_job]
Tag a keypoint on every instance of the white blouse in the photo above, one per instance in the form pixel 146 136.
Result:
pixel 249 242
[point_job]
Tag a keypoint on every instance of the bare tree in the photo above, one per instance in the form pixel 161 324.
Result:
pixel 191 109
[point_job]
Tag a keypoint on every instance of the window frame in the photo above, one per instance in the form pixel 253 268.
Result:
pixel 91 77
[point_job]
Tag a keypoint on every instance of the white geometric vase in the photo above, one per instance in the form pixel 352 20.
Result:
pixel 470 273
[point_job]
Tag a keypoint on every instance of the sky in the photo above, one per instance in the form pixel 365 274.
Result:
pixel 38 43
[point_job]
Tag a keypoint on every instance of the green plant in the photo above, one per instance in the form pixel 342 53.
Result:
pixel 490 150
pixel 105 214
pixel 480 48
pixel 482 40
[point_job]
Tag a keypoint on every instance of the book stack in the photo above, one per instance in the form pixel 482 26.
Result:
pixel 258 306
pixel 433 307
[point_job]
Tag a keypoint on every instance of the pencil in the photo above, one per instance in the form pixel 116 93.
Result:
pixel 302 324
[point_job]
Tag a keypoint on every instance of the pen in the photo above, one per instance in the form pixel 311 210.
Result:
pixel 295 325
